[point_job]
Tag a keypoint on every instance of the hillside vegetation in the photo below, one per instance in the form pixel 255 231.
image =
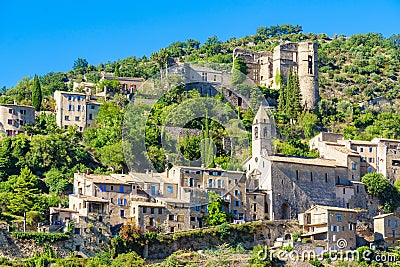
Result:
pixel 352 71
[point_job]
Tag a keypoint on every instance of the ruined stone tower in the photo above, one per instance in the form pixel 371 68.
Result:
pixel 264 67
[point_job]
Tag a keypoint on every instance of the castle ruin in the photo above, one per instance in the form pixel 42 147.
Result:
pixel 264 67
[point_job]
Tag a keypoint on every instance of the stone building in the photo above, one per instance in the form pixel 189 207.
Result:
pixel 75 109
pixel 378 155
pixel 331 228
pixel 128 84
pixel 291 185
pixel 265 67
pixel 386 228
pixel 13 117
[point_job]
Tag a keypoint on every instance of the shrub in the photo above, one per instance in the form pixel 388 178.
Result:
pixel 39 237
pixel 316 263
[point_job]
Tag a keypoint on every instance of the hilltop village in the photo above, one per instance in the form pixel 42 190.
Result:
pixel 323 196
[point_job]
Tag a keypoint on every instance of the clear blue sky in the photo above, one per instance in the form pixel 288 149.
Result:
pixel 43 36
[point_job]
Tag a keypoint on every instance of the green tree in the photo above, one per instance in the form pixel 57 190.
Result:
pixel 131 259
pixel 112 156
pixel 80 66
pixel 36 93
pixel 376 184
pixel 25 194
pixel 56 181
pixel 215 215
pixel 293 97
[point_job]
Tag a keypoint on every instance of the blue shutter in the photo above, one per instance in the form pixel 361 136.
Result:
pixel 124 202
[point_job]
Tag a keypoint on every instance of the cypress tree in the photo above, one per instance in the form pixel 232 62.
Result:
pixel 36 94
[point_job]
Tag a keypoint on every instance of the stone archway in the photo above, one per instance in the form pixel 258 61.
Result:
pixel 285 211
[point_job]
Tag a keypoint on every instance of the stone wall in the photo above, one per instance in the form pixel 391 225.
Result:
pixel 207 238
pixel 90 242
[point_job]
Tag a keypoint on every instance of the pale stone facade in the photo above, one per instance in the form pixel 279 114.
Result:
pixel 386 228
pixel 291 185
pixel 265 67
pixel 332 225
pixel 75 109
pixel 378 155
pixel 13 117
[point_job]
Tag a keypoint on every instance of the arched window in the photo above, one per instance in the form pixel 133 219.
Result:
pixel 256 132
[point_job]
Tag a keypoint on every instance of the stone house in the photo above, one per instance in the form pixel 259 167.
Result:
pixel 386 228
pixel 75 109
pixel 13 117
pixel 331 228
pixel 378 155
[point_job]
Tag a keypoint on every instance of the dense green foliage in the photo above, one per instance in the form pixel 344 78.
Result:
pixel 215 214
pixel 40 237
pixel 36 93
pixel 378 186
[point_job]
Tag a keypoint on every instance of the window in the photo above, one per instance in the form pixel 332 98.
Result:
pixel 90 116
pixel 71 107
pixel 144 209
pixel 76 118
pixel 362 159
pixel 389 223
pixel 371 160
pixel 78 108
pixel 369 169
pixel 121 189
pixel 339 217
pixel 358 189
pixel 10 122
pixel 204 76
pixel 191 182
pixel 370 149
pixel 152 210
pixel 124 202
pixel 326 177
pixel 159 210
pixel 311 176
pixel 111 187
pixel 215 78
pixel 119 201
pixel 236 203
pixel 70 98
pixel 171 217
pixel 344 190
pixel 255 207
pixel 361 149
pixel 393 233
pixel 170 189
pixel 11 111
pixel 67 118
pixel 122 213
pixel 101 188
pixel 77 231
pixel 396 223
pixel 210 183
pixel 354 166
pixel 297 174
pixel 334 228
pixel 333 237
pixel 237 193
